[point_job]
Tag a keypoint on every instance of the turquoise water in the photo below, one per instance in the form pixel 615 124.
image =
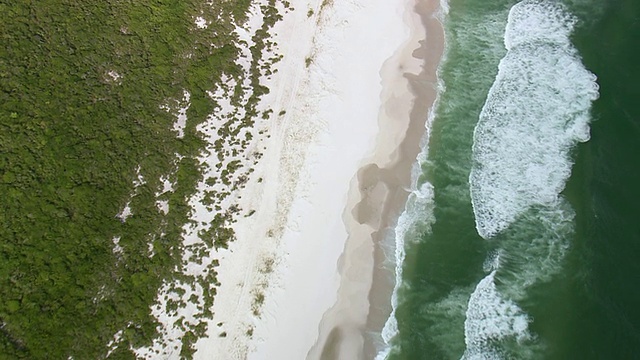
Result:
pixel 522 239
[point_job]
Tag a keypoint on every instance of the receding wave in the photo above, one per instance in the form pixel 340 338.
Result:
pixel 416 218
pixel 413 222
pixel 535 112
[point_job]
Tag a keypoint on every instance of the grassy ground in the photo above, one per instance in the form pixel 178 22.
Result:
pixel 71 139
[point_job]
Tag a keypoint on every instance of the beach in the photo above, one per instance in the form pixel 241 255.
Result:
pixel 320 180
pixel 350 101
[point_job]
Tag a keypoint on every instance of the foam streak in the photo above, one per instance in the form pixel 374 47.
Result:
pixel 536 111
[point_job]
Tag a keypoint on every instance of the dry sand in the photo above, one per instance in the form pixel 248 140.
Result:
pixel 355 86
pixel 380 190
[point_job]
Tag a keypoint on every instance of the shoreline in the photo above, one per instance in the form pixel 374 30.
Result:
pixel 329 118
pixel 430 52
pixel 380 189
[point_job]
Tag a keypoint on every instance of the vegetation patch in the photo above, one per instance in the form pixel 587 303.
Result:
pixel 308 61
pixel 258 300
pixel 82 89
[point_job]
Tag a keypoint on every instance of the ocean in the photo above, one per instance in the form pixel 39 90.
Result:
pixel 521 238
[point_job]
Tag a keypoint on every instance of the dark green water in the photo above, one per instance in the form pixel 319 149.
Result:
pixel 607 324
pixel 555 274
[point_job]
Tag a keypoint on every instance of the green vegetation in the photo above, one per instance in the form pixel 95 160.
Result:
pixel 268 265
pixel 325 4
pixel 81 85
pixel 258 300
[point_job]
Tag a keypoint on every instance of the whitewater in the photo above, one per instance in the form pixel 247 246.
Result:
pixel 520 156
pixel 536 111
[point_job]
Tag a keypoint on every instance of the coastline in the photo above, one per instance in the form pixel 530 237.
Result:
pixel 379 191
pixel 289 268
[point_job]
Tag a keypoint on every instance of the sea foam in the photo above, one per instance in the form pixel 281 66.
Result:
pixel 536 111
pixel 416 218
pixel 490 319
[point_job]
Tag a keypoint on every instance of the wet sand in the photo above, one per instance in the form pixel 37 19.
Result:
pixel 379 191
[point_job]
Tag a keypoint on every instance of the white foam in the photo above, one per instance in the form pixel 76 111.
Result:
pixel 418 211
pixel 536 111
pixel 489 319
pixel 492 262
pixel 536 20
pixel 530 252
pixel 417 217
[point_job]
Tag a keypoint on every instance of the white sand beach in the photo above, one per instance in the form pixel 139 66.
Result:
pixel 344 97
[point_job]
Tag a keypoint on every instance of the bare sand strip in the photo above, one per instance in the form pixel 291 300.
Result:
pixel 351 328
pixel 315 222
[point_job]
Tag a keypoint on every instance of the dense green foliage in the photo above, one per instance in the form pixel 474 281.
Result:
pixel 71 140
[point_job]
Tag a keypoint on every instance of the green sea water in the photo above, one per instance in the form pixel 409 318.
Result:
pixel 522 239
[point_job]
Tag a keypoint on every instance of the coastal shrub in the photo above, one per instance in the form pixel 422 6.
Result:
pixel 81 85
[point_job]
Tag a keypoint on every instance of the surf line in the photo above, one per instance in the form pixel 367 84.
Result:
pixel 536 111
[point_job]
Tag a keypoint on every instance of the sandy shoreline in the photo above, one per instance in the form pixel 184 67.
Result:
pixel 353 90
pixel 380 190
